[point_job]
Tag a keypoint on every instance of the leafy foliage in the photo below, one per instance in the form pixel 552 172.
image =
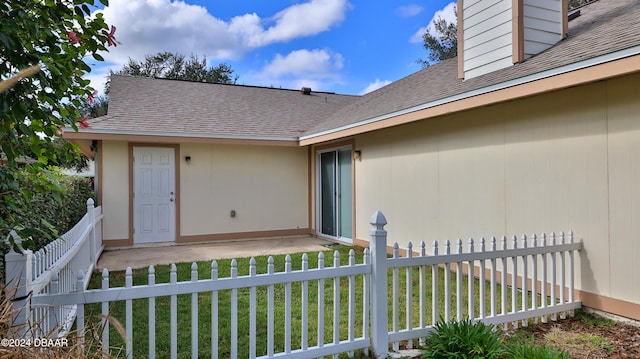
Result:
pixel 97 107
pixel 176 66
pixel 464 339
pixel 528 349
pixel 58 212
pixel 45 215
pixel 66 155
pixel 443 44
pixel 58 37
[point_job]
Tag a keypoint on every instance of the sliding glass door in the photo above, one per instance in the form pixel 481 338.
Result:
pixel 335 194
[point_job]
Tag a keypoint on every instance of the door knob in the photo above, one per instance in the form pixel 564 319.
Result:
pixel 171 199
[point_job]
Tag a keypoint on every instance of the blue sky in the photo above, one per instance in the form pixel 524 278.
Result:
pixel 343 46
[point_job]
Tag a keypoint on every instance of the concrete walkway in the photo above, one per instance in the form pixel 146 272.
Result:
pixel 120 259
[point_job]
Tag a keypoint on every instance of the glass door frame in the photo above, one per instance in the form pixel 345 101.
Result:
pixel 338 211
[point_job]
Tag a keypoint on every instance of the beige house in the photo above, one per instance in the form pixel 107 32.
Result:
pixel 534 128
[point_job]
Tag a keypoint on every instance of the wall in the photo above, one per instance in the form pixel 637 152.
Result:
pixel 560 161
pixel 266 186
pixel 114 157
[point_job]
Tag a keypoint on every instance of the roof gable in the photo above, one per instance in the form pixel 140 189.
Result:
pixel 604 27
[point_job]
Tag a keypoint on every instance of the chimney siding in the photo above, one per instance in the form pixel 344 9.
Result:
pixel 543 25
pixel 487 36
pixel 498 33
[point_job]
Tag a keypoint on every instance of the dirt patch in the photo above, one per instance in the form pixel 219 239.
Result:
pixel 586 337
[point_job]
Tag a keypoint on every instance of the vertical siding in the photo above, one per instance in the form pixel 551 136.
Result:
pixel 542 25
pixel 252 180
pixel 115 189
pixel 557 173
pixel 570 161
pixel 624 186
pixel 487 36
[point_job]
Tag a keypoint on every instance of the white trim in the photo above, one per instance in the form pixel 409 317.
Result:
pixel 632 51
pixel 185 135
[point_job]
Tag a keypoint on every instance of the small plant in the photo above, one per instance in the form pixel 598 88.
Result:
pixel 585 344
pixel 594 320
pixel 464 339
pixel 528 349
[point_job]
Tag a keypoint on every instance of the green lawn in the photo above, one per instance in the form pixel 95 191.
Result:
pixel 140 307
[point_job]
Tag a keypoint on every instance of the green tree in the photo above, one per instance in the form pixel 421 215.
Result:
pixel 65 156
pixel 443 44
pixel 96 107
pixel 52 39
pixel 176 66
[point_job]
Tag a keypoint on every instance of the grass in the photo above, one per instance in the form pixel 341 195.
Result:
pixel 563 342
pixel 162 330
pixel 585 344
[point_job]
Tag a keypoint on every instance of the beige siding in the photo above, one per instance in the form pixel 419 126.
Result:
pixel 115 189
pixel 542 25
pixel 487 36
pixel 266 186
pixel 624 186
pixel 533 165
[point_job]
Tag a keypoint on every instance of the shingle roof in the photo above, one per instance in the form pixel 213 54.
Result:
pixel 210 110
pixel 139 104
pixel 604 26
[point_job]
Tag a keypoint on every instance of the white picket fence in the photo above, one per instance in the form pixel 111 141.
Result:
pixel 537 272
pixel 53 269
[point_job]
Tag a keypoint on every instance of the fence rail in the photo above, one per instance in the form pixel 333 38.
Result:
pixel 53 269
pixel 527 280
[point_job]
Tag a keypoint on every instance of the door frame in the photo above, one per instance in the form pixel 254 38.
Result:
pixel 317 191
pixel 176 149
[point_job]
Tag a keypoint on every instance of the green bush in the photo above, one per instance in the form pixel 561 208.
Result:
pixel 52 212
pixel 464 339
pixel 529 350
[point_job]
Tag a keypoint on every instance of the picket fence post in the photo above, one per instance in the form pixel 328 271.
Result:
pixel 92 235
pixel 18 278
pixel 379 306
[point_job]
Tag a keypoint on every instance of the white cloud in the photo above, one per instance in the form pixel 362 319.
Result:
pixel 374 86
pixel 447 13
pixel 409 10
pixel 98 78
pixel 149 26
pixel 317 68
pixel 299 20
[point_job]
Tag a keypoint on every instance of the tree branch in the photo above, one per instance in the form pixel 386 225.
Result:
pixel 12 81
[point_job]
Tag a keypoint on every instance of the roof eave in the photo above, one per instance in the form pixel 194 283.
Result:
pixel 165 137
pixel 595 69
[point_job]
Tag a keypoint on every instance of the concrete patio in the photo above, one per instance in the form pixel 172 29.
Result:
pixel 120 259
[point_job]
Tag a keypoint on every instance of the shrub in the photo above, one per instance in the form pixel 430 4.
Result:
pixel 464 339
pixel 46 210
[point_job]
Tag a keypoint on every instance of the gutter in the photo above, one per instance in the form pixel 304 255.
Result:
pixel 599 60
pixel 70 133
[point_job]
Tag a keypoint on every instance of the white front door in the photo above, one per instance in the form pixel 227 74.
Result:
pixel 154 200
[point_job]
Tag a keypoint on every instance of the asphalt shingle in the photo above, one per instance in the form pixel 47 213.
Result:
pixel 604 26
pixel 139 104
pixel 184 108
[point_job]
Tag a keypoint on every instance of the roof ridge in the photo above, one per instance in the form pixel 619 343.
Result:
pixel 232 85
